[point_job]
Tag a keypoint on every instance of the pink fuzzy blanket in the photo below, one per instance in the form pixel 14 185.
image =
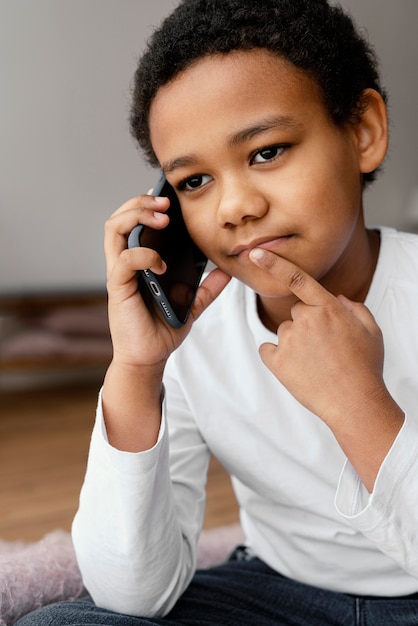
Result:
pixel 34 574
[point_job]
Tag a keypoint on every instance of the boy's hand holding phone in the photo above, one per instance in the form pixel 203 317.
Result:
pixel 330 358
pixel 174 291
pixel 157 247
pixel 142 339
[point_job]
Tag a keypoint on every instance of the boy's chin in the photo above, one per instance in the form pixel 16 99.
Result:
pixel 268 289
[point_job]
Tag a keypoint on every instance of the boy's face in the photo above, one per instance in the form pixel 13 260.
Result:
pixel 247 143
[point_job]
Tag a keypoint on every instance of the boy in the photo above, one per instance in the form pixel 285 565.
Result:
pixel 268 119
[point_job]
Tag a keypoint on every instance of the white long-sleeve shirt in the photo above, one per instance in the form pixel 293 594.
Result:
pixel 303 508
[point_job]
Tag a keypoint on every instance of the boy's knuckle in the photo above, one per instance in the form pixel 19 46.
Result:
pixel 125 257
pixel 108 225
pixel 297 279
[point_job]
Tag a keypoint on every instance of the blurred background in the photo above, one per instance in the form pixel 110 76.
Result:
pixel 67 161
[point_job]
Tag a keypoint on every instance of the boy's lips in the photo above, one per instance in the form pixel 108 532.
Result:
pixel 267 243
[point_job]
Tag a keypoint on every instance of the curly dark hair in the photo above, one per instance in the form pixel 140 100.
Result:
pixel 315 36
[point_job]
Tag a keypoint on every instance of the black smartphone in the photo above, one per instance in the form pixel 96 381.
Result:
pixel 174 291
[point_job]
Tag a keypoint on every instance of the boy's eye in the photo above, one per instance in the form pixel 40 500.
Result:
pixel 194 182
pixel 267 154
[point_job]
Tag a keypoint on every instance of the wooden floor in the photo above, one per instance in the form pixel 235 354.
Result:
pixel 44 439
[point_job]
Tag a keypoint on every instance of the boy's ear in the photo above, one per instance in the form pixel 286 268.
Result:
pixel 372 131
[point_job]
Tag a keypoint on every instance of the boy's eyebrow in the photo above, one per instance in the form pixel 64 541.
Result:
pixel 173 164
pixel 259 127
pixel 262 126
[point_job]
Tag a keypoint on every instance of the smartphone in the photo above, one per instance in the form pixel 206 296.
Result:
pixel 174 291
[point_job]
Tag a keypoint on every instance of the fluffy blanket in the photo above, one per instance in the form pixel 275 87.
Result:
pixel 34 574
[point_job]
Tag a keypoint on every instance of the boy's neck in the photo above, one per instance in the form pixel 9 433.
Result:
pixel 354 283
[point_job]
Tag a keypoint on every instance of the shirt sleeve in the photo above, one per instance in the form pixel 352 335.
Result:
pixel 389 515
pixel 140 514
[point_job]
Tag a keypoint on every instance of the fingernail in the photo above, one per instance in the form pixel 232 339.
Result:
pixel 257 254
pixel 159 199
pixel 159 216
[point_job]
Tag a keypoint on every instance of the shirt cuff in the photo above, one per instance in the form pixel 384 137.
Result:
pixel 125 461
pixel 352 499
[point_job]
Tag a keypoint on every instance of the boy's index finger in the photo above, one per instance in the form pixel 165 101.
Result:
pixel 300 283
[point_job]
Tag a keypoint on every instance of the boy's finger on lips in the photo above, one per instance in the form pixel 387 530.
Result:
pixel 299 282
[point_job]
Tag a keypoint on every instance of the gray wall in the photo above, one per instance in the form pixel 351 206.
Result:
pixel 391 26
pixel 66 157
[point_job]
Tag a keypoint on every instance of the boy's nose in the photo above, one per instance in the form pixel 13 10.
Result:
pixel 240 202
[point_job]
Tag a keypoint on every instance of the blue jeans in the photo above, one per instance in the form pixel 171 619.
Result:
pixel 244 592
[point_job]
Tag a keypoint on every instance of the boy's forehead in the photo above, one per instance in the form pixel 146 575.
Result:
pixel 240 69
pixel 232 92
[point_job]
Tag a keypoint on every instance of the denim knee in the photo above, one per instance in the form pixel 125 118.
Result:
pixel 58 614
